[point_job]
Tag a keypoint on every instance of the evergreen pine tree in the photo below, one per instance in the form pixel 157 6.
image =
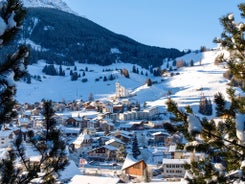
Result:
pixel 191 62
pixel 148 82
pixel 16 167
pixel 135 148
pixel 14 66
pixel 221 144
pixel 220 104
pixel 233 41
pixel 121 153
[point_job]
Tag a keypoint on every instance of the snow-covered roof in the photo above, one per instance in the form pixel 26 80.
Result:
pixel 129 161
pixel 70 130
pixel 160 133
pixel 36 158
pixel 5 133
pixel 135 122
pixel 23 120
pixel 69 171
pixel 114 140
pixel 126 132
pixel 111 148
pixel 175 161
pixel 81 138
pixel 78 179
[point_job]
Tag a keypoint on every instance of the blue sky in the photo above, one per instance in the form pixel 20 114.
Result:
pixel 181 24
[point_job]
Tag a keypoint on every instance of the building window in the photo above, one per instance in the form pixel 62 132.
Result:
pixel 136 166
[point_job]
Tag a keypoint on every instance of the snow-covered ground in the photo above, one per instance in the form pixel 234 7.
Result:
pixel 204 78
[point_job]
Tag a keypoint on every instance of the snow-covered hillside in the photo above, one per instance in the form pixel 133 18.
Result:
pixel 204 78
pixel 57 4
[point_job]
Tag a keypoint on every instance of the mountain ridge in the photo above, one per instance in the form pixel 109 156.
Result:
pixel 63 38
pixel 56 4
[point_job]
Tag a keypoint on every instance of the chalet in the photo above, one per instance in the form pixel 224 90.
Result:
pixel 134 167
pixel 122 136
pixel 174 139
pixel 93 124
pixel 133 125
pixel 24 122
pixel 115 142
pixel 118 108
pixel 160 137
pixel 106 124
pixel 59 107
pixel 126 127
pixel 6 137
pixel 83 143
pixel 155 124
pixel 107 109
pixel 27 114
pixel 71 131
pixel 38 121
pixel 103 153
pixel 36 111
pixel 71 122
pixel 137 125
pixel 90 108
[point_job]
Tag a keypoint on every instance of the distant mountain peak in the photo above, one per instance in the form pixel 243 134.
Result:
pixel 57 4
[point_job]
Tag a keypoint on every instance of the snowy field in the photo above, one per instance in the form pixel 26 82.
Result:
pixel 204 78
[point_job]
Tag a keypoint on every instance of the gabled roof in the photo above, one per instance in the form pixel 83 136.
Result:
pixel 108 147
pixel 130 161
pixel 114 140
pixel 5 133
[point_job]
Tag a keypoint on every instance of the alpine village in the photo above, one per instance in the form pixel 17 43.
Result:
pixel 80 104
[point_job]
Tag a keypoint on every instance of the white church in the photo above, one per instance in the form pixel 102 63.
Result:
pixel 121 91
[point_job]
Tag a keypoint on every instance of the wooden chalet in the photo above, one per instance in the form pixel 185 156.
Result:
pixel 122 136
pixel 103 153
pixel 134 167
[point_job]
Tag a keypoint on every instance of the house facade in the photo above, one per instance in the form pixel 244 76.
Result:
pixel 136 169
pixel 174 168
pixel 103 153
pixel 6 136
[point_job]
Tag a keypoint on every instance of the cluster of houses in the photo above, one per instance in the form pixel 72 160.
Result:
pixel 99 131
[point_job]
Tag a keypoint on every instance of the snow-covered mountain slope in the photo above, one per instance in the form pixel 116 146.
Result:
pixel 57 4
pixel 204 78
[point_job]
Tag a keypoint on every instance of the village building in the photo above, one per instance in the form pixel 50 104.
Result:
pixel 115 142
pixel 103 153
pixel 174 168
pixel 123 136
pixel 159 138
pixel 82 143
pixel 121 92
pixel 6 137
pixel 134 168
pixel 24 122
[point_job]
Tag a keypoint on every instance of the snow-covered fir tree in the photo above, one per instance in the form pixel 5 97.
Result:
pixel 16 167
pixel 222 143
